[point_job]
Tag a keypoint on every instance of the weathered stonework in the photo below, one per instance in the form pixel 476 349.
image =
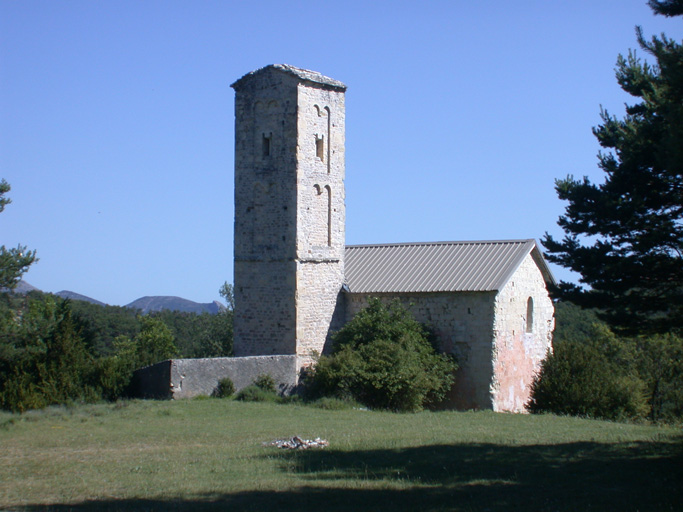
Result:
pixel 289 210
pixel 188 378
pixel 522 336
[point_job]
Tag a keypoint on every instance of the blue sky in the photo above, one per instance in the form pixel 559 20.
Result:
pixel 117 123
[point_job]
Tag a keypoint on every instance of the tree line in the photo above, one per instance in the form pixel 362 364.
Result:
pixel 54 350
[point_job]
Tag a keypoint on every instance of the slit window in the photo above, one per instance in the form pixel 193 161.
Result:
pixel 530 315
pixel 265 146
pixel 320 147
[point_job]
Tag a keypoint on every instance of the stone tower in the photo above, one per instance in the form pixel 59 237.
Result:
pixel 289 211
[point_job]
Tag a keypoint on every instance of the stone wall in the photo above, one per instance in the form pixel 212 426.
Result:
pixel 463 324
pixel 321 215
pixel 521 341
pixel 318 290
pixel 187 378
pixel 265 314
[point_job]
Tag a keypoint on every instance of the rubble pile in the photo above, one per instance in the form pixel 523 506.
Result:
pixel 296 443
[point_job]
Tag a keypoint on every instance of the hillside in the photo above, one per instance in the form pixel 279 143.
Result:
pixel 144 304
pixel 66 294
pixel 159 303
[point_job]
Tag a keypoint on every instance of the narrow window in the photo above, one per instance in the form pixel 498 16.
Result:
pixel 530 315
pixel 266 144
pixel 329 215
pixel 320 147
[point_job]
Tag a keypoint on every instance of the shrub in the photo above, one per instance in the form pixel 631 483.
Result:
pixel 253 393
pixel 335 404
pixel 383 359
pixel 265 382
pixel 660 367
pixel 594 378
pixel 224 389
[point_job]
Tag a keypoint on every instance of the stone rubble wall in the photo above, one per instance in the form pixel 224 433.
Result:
pixel 518 354
pixel 188 378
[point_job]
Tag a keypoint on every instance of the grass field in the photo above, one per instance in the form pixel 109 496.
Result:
pixel 209 455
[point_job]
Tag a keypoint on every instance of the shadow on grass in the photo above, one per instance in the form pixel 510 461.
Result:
pixel 486 477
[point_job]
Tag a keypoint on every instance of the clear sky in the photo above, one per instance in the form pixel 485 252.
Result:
pixel 117 123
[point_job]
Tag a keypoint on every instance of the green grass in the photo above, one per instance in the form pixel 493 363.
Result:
pixel 208 455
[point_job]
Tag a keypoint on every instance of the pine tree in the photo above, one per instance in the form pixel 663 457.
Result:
pixel 13 262
pixel 625 236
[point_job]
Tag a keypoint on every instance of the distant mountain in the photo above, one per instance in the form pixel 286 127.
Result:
pixel 144 304
pixel 157 303
pixel 23 287
pixel 66 294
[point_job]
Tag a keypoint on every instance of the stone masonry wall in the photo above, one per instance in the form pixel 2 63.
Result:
pixel 318 290
pixel 265 215
pixel 519 347
pixel 463 325
pixel 265 315
pixel 320 215
pixel 187 378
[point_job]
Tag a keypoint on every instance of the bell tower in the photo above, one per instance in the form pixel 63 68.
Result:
pixel 289 210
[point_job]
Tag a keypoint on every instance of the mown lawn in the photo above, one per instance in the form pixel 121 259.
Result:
pixel 209 455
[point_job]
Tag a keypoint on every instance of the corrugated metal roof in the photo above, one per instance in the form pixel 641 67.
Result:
pixel 437 266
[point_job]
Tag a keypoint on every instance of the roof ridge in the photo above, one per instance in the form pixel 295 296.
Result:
pixel 445 242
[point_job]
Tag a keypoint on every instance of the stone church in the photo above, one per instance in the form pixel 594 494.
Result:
pixel 296 282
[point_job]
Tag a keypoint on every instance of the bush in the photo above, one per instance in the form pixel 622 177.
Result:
pixel 335 404
pixel 593 378
pixel 261 390
pixel 224 389
pixel 253 393
pixel 265 382
pixel 383 359
pixel 660 367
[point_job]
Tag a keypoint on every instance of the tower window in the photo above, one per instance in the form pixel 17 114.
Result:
pixel 265 146
pixel 320 147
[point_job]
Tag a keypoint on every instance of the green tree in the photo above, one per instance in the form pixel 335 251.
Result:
pixel 43 359
pixel 13 262
pixel 625 236
pixel 155 342
pixel 228 293
pixel 383 359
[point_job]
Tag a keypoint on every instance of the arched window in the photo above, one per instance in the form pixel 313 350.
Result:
pixel 530 315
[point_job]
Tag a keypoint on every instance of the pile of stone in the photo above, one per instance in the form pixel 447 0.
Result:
pixel 296 443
